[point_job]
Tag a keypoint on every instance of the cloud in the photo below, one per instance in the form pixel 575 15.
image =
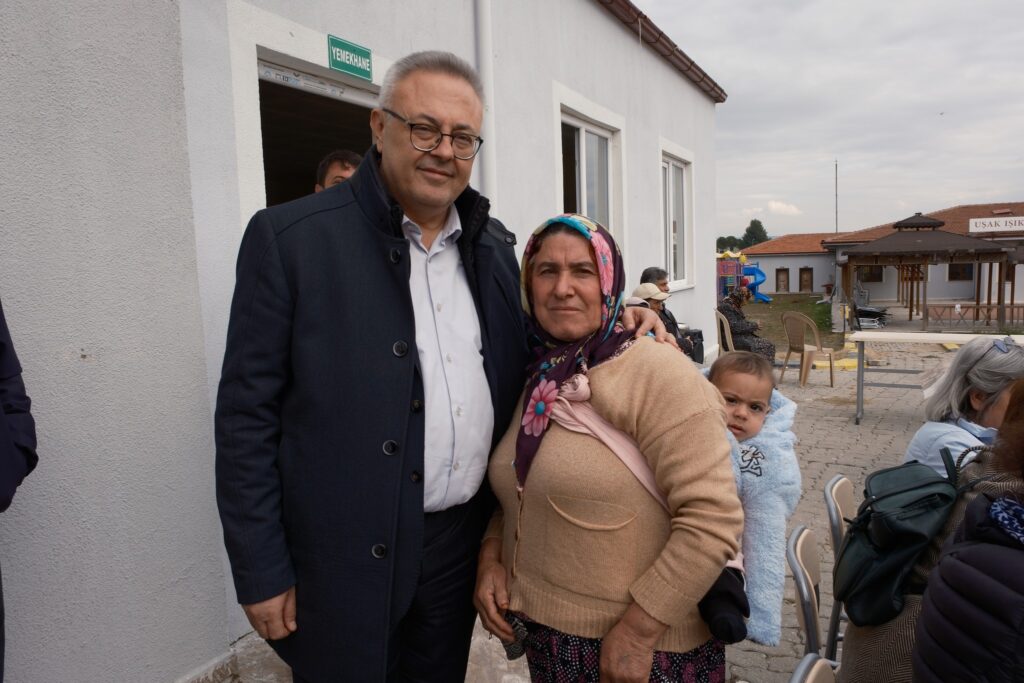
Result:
pixel 753 211
pixel 783 209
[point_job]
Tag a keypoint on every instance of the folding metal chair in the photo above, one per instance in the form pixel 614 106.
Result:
pixel 813 669
pixel 804 561
pixel 841 505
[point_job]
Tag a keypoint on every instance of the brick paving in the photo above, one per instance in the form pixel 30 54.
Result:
pixel 829 444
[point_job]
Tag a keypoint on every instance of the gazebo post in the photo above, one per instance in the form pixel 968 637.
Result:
pixel 977 289
pixel 1001 297
pixel 924 298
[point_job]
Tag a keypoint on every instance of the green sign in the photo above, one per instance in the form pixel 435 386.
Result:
pixel 349 58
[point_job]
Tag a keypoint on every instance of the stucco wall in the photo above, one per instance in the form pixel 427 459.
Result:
pixel 111 555
pixel 822 265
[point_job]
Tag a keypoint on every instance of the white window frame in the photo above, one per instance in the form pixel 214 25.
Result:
pixel 576 110
pixel 583 150
pixel 672 154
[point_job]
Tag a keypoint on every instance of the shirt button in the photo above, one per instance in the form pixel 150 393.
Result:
pixel 400 348
pixel 417 405
pixel 379 551
pixel 455 466
pixel 390 447
pixel 448 357
pixel 458 411
pixel 439 308
pixel 416 477
pixel 395 255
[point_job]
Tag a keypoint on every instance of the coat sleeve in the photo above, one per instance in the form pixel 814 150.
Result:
pixel 738 323
pixel 17 428
pixel 248 418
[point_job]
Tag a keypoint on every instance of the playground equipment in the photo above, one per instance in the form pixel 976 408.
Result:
pixel 732 268
pixel 757 278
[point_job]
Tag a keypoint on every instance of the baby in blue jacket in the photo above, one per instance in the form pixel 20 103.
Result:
pixel 760 422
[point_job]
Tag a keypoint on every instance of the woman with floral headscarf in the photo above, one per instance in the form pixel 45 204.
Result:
pixel 618 506
pixel 742 330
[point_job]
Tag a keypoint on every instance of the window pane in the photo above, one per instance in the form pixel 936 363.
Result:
pixel 597 179
pixel 678 224
pixel 666 221
pixel 570 168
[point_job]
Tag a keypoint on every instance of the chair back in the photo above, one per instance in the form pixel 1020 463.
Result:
pixel 802 555
pixel 797 325
pixel 724 332
pixel 813 669
pixel 840 503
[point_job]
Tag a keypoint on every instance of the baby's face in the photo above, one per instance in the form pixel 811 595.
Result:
pixel 747 398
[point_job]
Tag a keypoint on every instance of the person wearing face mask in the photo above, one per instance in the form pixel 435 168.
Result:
pixel 969 402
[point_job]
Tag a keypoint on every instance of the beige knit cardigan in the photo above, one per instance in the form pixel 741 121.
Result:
pixel 584 539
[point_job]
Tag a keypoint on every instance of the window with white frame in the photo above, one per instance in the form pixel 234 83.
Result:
pixel 586 170
pixel 674 207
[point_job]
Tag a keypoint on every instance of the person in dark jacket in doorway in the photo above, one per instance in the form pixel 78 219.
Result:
pixel 353 432
pixel 971 626
pixel 17 437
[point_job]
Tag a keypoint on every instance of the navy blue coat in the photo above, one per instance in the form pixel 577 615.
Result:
pixel 17 429
pixel 971 626
pixel 319 421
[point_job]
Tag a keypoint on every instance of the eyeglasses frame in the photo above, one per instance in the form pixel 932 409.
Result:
pixel 440 136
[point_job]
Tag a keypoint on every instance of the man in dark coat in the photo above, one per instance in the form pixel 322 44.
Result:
pixel 17 436
pixel 352 544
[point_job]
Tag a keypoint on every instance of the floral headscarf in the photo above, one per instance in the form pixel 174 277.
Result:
pixel 555 361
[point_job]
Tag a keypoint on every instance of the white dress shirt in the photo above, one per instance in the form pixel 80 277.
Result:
pixel 457 399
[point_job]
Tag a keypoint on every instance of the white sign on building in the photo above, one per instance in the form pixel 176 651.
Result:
pixel 1000 224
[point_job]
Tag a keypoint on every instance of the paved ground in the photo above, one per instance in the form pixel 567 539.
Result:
pixel 829 444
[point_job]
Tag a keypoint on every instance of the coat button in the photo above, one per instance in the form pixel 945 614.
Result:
pixel 400 348
pixel 417 405
pixel 416 477
pixel 379 551
pixel 395 255
pixel 390 447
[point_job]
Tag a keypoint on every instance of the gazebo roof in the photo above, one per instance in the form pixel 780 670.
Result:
pixel 918 222
pixel 926 243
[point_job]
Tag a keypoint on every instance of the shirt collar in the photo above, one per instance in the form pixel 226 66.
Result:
pixel 451 231
pixel 983 434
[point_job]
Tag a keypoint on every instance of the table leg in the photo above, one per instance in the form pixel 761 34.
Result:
pixel 860 383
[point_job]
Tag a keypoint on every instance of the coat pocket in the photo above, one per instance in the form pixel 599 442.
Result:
pixel 590 547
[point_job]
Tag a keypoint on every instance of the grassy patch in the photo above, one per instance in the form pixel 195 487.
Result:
pixel 770 317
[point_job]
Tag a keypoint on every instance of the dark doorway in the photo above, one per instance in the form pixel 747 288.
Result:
pixel 806 279
pixel 299 129
pixel 782 279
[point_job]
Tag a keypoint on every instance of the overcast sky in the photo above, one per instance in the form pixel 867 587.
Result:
pixel 921 102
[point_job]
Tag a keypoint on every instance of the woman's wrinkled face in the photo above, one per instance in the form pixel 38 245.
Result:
pixel 565 287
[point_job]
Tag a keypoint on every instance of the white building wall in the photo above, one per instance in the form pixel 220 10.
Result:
pixel 111 551
pixel 135 161
pixel 822 265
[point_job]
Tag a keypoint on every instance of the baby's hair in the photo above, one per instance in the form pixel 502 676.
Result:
pixel 743 362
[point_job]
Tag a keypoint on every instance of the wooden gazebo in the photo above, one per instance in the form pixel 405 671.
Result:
pixel 916 243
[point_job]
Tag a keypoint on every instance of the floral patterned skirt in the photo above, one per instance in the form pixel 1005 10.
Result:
pixel 556 657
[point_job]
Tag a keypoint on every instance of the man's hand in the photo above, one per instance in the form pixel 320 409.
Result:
pixel 491 595
pixel 644 320
pixel 627 651
pixel 273 619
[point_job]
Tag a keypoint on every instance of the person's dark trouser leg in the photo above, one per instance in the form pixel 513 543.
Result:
pixel 434 636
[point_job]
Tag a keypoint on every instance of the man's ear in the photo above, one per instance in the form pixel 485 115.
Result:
pixel 377 127
pixel 318 188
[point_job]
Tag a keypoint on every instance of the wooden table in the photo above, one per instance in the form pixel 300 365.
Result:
pixel 864 336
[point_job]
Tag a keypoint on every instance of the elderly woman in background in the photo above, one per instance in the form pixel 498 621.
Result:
pixel 884 653
pixel 971 626
pixel 742 330
pixel 618 506
pixel 969 402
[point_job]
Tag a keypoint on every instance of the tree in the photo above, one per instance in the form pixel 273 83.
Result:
pixel 727 243
pixel 754 234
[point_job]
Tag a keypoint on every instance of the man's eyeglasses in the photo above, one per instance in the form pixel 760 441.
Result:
pixel 426 138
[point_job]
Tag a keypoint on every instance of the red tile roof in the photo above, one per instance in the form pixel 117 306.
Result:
pixel 957 220
pixel 805 243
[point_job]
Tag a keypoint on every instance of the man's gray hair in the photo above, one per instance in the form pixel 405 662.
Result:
pixel 433 61
pixel 976 366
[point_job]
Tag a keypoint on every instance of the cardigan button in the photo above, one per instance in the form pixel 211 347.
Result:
pixel 390 447
pixel 379 551
pixel 417 405
pixel 396 255
pixel 416 477
pixel 400 348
